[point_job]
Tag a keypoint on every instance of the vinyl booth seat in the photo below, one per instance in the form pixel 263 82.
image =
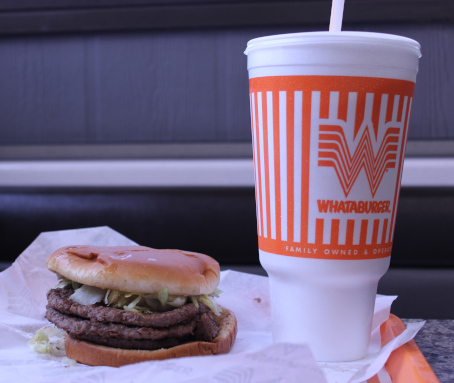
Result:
pixel 221 222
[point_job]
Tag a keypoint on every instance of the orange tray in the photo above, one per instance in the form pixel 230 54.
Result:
pixel 406 364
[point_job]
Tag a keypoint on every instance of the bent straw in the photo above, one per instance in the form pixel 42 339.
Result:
pixel 337 12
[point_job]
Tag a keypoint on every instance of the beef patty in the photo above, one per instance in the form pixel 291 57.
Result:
pixel 118 328
pixel 59 300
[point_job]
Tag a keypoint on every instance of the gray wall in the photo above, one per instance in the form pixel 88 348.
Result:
pixel 179 85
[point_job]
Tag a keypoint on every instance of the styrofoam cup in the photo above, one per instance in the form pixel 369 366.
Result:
pixel 329 115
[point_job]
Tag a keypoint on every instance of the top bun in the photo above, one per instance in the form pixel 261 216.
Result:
pixel 137 269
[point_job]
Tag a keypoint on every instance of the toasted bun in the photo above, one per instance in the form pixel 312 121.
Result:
pixel 137 269
pixel 97 355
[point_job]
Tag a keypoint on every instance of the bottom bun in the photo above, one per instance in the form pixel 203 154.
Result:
pixel 98 355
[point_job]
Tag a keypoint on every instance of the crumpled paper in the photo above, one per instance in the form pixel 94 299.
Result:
pixel 252 359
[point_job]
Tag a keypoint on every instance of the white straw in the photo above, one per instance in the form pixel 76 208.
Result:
pixel 337 12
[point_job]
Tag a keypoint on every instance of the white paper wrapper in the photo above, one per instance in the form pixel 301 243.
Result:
pixel 252 359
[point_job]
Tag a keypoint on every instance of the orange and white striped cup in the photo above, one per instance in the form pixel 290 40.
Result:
pixel 330 114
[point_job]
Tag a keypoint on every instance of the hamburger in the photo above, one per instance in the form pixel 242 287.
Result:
pixel 128 304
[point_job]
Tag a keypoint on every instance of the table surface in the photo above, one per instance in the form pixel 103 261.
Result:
pixel 436 342
pixel 435 339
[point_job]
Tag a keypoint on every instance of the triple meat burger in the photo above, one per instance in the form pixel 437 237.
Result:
pixel 127 304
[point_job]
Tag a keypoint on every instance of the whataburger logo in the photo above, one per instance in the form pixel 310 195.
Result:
pixel 334 152
pixel 329 133
pixel 334 146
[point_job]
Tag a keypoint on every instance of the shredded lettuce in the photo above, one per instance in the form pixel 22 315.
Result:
pixel 195 302
pixel 48 340
pixel 138 303
pixel 210 303
pixel 88 295
pixel 163 295
pixel 131 306
pixel 216 293
pixel 106 297
pixel 111 298
pixel 62 284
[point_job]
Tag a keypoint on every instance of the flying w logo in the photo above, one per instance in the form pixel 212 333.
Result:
pixel 334 152
pixel 370 155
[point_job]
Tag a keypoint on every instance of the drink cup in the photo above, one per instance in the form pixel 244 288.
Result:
pixel 330 114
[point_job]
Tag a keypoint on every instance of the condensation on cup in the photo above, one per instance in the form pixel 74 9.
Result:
pixel 330 115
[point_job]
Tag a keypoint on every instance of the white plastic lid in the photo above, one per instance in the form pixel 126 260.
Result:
pixel 334 53
pixel 304 38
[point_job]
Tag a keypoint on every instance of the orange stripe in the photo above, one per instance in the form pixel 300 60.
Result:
pixel 375 231
pixel 277 163
pixel 400 110
pixel 389 108
pixel 290 165
pixel 259 183
pixel 361 85
pixel 298 110
pixel 399 170
pixel 255 161
pixel 319 223
pixel 335 223
pixel 305 164
pixel 324 104
pixel 266 164
pixel 350 232
pixel 385 228
pixel 343 106
pixel 376 111
pixel 360 107
pixel 363 232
